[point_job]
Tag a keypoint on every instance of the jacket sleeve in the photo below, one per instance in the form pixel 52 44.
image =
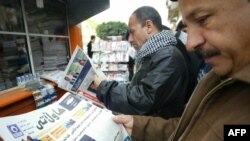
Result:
pixel 147 128
pixel 162 77
pixel 116 96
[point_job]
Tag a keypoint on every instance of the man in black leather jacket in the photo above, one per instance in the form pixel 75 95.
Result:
pixel 159 84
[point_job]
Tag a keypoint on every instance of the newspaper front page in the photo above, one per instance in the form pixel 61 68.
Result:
pixel 69 119
pixel 78 75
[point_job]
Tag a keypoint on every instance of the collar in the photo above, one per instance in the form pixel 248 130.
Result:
pixel 163 39
pixel 243 74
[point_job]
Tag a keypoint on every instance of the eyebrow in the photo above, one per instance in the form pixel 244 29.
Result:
pixel 196 12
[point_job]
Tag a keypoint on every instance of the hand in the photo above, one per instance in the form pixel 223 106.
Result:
pixel 30 139
pixel 96 83
pixel 126 120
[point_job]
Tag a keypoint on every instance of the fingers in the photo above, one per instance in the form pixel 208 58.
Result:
pixel 122 119
pixel 95 77
pixel 97 81
pixel 126 120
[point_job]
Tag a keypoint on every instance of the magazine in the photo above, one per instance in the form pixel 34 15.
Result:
pixel 79 74
pixel 69 119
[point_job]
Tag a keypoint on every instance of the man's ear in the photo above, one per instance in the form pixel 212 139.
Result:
pixel 149 25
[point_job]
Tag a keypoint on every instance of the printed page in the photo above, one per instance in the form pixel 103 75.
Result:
pixel 54 76
pixel 79 74
pixel 71 118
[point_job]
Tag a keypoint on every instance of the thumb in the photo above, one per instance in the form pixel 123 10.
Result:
pixel 126 120
pixel 121 119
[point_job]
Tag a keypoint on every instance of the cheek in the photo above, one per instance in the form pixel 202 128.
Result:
pixel 225 62
pixel 227 46
pixel 231 50
pixel 137 37
pixel 140 39
pixel 228 39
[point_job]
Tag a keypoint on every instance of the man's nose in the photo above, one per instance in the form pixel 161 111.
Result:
pixel 194 39
pixel 130 38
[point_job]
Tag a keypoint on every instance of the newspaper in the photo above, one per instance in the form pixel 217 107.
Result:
pixel 69 119
pixel 54 76
pixel 78 75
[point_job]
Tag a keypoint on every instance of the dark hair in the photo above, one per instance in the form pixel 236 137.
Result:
pixel 180 26
pixel 92 37
pixel 148 13
pixel 127 35
pixel 165 27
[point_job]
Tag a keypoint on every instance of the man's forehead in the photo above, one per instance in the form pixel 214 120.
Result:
pixel 192 8
pixel 133 19
pixel 133 22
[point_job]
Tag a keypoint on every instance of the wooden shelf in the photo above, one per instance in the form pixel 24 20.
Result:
pixel 19 101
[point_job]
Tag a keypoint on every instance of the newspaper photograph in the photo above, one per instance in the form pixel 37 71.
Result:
pixel 79 74
pixel 69 119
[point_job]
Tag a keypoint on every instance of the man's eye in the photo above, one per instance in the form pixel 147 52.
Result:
pixel 202 20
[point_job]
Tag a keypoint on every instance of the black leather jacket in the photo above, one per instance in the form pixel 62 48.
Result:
pixel 157 88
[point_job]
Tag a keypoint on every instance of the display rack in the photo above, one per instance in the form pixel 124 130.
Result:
pixel 112 58
pixel 12 59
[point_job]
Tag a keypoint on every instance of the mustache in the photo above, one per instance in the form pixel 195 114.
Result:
pixel 207 53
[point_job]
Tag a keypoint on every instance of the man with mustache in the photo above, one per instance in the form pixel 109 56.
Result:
pixel 159 85
pixel 219 30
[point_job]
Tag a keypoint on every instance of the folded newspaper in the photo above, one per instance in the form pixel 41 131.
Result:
pixel 69 119
pixel 78 76
pixel 54 76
